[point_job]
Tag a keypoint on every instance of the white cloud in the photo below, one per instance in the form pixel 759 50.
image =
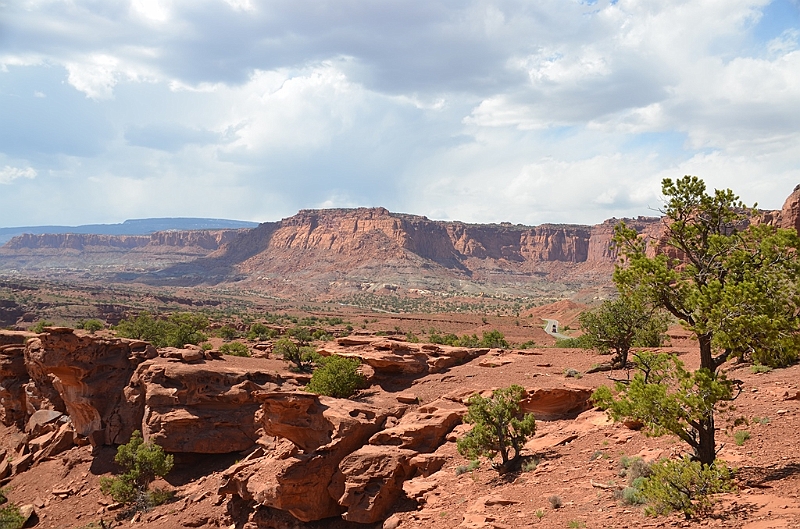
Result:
pixel 95 77
pixel 8 174
pixel 483 111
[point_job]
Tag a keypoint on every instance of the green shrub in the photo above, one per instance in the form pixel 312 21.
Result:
pixel 234 349
pixel 463 469
pixel 175 331
pixel 302 357
pixel 90 325
pixel 499 428
pixel 259 331
pixel 227 333
pixel 338 377
pixel 11 518
pixel 572 373
pixel 494 339
pixel 40 325
pixel 740 436
pixel 301 334
pixel 684 485
pixel 141 463
pixel 573 343
pixel 759 368
pixel 321 335
pixel 411 337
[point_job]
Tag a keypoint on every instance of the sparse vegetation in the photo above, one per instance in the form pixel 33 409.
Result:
pixel 758 368
pixel 303 358
pixel 234 349
pixel 473 465
pixel 572 373
pixel 740 436
pixel 40 325
pixel 572 343
pixel 555 501
pixel 499 428
pixel 618 325
pixel 260 332
pixel 90 325
pixel 337 377
pixel 175 331
pixel 227 332
pixel 10 517
pixel 684 485
pixel 141 463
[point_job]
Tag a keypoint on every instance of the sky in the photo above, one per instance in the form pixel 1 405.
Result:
pixel 481 111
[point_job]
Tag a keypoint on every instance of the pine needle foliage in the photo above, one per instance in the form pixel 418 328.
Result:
pixel 499 427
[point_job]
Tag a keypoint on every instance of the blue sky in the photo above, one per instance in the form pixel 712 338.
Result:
pixel 481 111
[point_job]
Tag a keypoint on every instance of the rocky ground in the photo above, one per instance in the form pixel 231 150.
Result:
pixel 397 463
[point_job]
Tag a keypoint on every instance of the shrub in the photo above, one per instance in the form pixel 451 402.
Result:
pixel 499 428
pixel 90 325
pixel 234 349
pixel 411 337
pixel 11 518
pixel 40 325
pixel 741 436
pixel 473 465
pixel 259 331
pixel 321 335
pixel 572 343
pixel 494 339
pixel 302 357
pixel 555 501
pixel 684 485
pixel 141 463
pixel 572 373
pixel 175 331
pixel 227 333
pixel 338 377
pixel 759 368
pixel 301 334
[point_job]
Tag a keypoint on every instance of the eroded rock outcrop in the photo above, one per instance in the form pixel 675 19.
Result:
pixel 205 407
pixel 389 356
pixel 344 460
pixel 84 376
pixel 298 482
pixel 546 404
pixel 13 377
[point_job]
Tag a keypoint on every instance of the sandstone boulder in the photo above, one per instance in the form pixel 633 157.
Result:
pixel 370 480
pixel 84 376
pixel 298 482
pixel 391 356
pixel 202 408
pixel 423 429
pixel 546 404
pixel 549 404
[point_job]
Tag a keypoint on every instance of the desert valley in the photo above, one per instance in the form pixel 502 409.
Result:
pixel 253 447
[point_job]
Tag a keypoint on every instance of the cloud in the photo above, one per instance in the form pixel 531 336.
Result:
pixel 168 136
pixel 8 174
pixel 485 110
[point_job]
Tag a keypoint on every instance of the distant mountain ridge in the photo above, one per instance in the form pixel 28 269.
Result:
pixel 131 227
pixel 335 253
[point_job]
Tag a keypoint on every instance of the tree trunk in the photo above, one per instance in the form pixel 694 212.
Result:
pixel 706 356
pixel 706 451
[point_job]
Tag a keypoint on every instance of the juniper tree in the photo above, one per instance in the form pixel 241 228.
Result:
pixel 499 427
pixel 733 283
